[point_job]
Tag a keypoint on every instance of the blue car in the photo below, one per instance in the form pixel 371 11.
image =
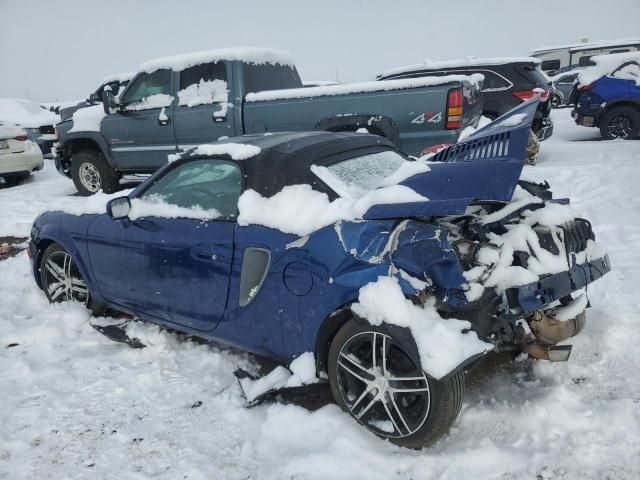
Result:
pixel 281 295
pixel 610 99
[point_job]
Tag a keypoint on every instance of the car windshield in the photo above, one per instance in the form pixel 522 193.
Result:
pixel 354 177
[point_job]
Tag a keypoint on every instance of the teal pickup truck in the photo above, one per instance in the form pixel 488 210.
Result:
pixel 174 103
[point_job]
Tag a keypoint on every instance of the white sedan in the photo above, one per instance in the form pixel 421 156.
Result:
pixel 19 156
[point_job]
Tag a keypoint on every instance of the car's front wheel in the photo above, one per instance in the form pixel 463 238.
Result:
pixel 91 173
pixel 60 278
pixel 620 122
pixel 374 376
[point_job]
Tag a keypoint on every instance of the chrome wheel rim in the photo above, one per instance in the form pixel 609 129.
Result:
pixel 381 386
pixel 620 126
pixel 62 279
pixel 90 177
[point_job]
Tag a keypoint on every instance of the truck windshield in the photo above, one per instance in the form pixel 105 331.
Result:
pixel 354 177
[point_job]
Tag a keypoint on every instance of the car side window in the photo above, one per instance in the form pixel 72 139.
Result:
pixel 628 71
pixel 492 81
pixel 149 90
pixel 567 80
pixel 585 61
pixel 203 84
pixel 200 185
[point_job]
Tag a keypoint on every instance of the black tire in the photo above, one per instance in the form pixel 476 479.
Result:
pixel 91 172
pixel 620 122
pixel 556 101
pixel 54 269
pixel 414 419
pixel 13 179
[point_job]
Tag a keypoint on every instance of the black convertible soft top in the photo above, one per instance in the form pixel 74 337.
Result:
pixel 286 158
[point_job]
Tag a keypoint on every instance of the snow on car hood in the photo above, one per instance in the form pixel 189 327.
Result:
pixel 485 166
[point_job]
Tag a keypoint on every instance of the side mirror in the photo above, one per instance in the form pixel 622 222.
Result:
pixel 119 208
pixel 108 102
pixel 93 99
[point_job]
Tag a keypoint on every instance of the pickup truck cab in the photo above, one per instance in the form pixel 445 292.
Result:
pixel 607 96
pixel 174 103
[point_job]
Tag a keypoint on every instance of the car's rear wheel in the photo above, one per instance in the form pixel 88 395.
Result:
pixel 91 173
pixel 620 122
pixel 374 377
pixel 556 100
pixel 13 179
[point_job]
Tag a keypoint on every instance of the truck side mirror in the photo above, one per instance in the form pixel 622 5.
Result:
pixel 93 99
pixel 108 102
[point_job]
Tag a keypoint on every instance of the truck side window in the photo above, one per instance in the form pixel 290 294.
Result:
pixel 147 85
pixel 203 84
pixel 550 65
pixel 269 76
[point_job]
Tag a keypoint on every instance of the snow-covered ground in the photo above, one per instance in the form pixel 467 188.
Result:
pixel 74 404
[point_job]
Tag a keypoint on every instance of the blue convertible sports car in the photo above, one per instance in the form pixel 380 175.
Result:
pixel 479 248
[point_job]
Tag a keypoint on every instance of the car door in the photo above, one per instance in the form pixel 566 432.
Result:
pixel 203 110
pixel 170 260
pixel 140 134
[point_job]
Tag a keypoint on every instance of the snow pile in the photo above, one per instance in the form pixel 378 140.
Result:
pixel 156 206
pixel 353 191
pixel 203 93
pixel 88 119
pixel 363 87
pixel 302 371
pixel 237 151
pixel 25 113
pixel 513 120
pixel 159 100
pixel 457 63
pixel 8 131
pixel 495 261
pixel 606 64
pixel 441 343
pixel 241 54
pixel 301 210
pixel 468 131
pixel 118 77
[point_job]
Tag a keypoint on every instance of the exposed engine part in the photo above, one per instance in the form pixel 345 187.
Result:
pixel 550 331
pixel 558 353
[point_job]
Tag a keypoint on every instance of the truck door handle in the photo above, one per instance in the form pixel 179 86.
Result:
pixel 163 121
pixel 218 119
pixel 204 253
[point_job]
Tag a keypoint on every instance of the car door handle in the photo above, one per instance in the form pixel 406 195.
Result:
pixel 204 253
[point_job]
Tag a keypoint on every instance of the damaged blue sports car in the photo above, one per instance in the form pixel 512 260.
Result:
pixel 202 247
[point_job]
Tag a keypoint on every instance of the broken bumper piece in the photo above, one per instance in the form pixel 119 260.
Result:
pixel 547 290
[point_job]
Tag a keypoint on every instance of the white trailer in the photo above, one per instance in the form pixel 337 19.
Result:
pixel 564 57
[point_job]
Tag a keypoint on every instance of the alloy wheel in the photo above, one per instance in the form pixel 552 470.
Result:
pixel 381 385
pixel 90 177
pixel 62 279
pixel 620 126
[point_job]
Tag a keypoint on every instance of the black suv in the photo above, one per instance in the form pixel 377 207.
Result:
pixel 507 83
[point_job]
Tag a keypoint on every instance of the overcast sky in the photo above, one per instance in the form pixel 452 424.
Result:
pixel 62 49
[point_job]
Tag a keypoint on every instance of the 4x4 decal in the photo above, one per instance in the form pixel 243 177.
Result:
pixel 427 117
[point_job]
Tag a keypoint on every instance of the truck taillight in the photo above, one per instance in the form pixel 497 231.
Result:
pixel 21 138
pixel 453 118
pixel 527 94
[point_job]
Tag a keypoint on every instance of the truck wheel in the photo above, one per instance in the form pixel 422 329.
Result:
pixel 374 378
pixel 620 122
pixel 91 172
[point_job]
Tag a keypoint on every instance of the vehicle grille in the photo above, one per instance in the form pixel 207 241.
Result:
pixel 487 147
pixel 46 129
pixel 576 235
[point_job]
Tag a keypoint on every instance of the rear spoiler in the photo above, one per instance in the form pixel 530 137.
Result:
pixel 485 166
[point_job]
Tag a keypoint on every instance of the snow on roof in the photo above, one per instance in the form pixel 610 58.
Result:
pixel 606 64
pixel 362 87
pixel 596 44
pixel 243 54
pixel 459 62
pixel 25 113
pixel 118 77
